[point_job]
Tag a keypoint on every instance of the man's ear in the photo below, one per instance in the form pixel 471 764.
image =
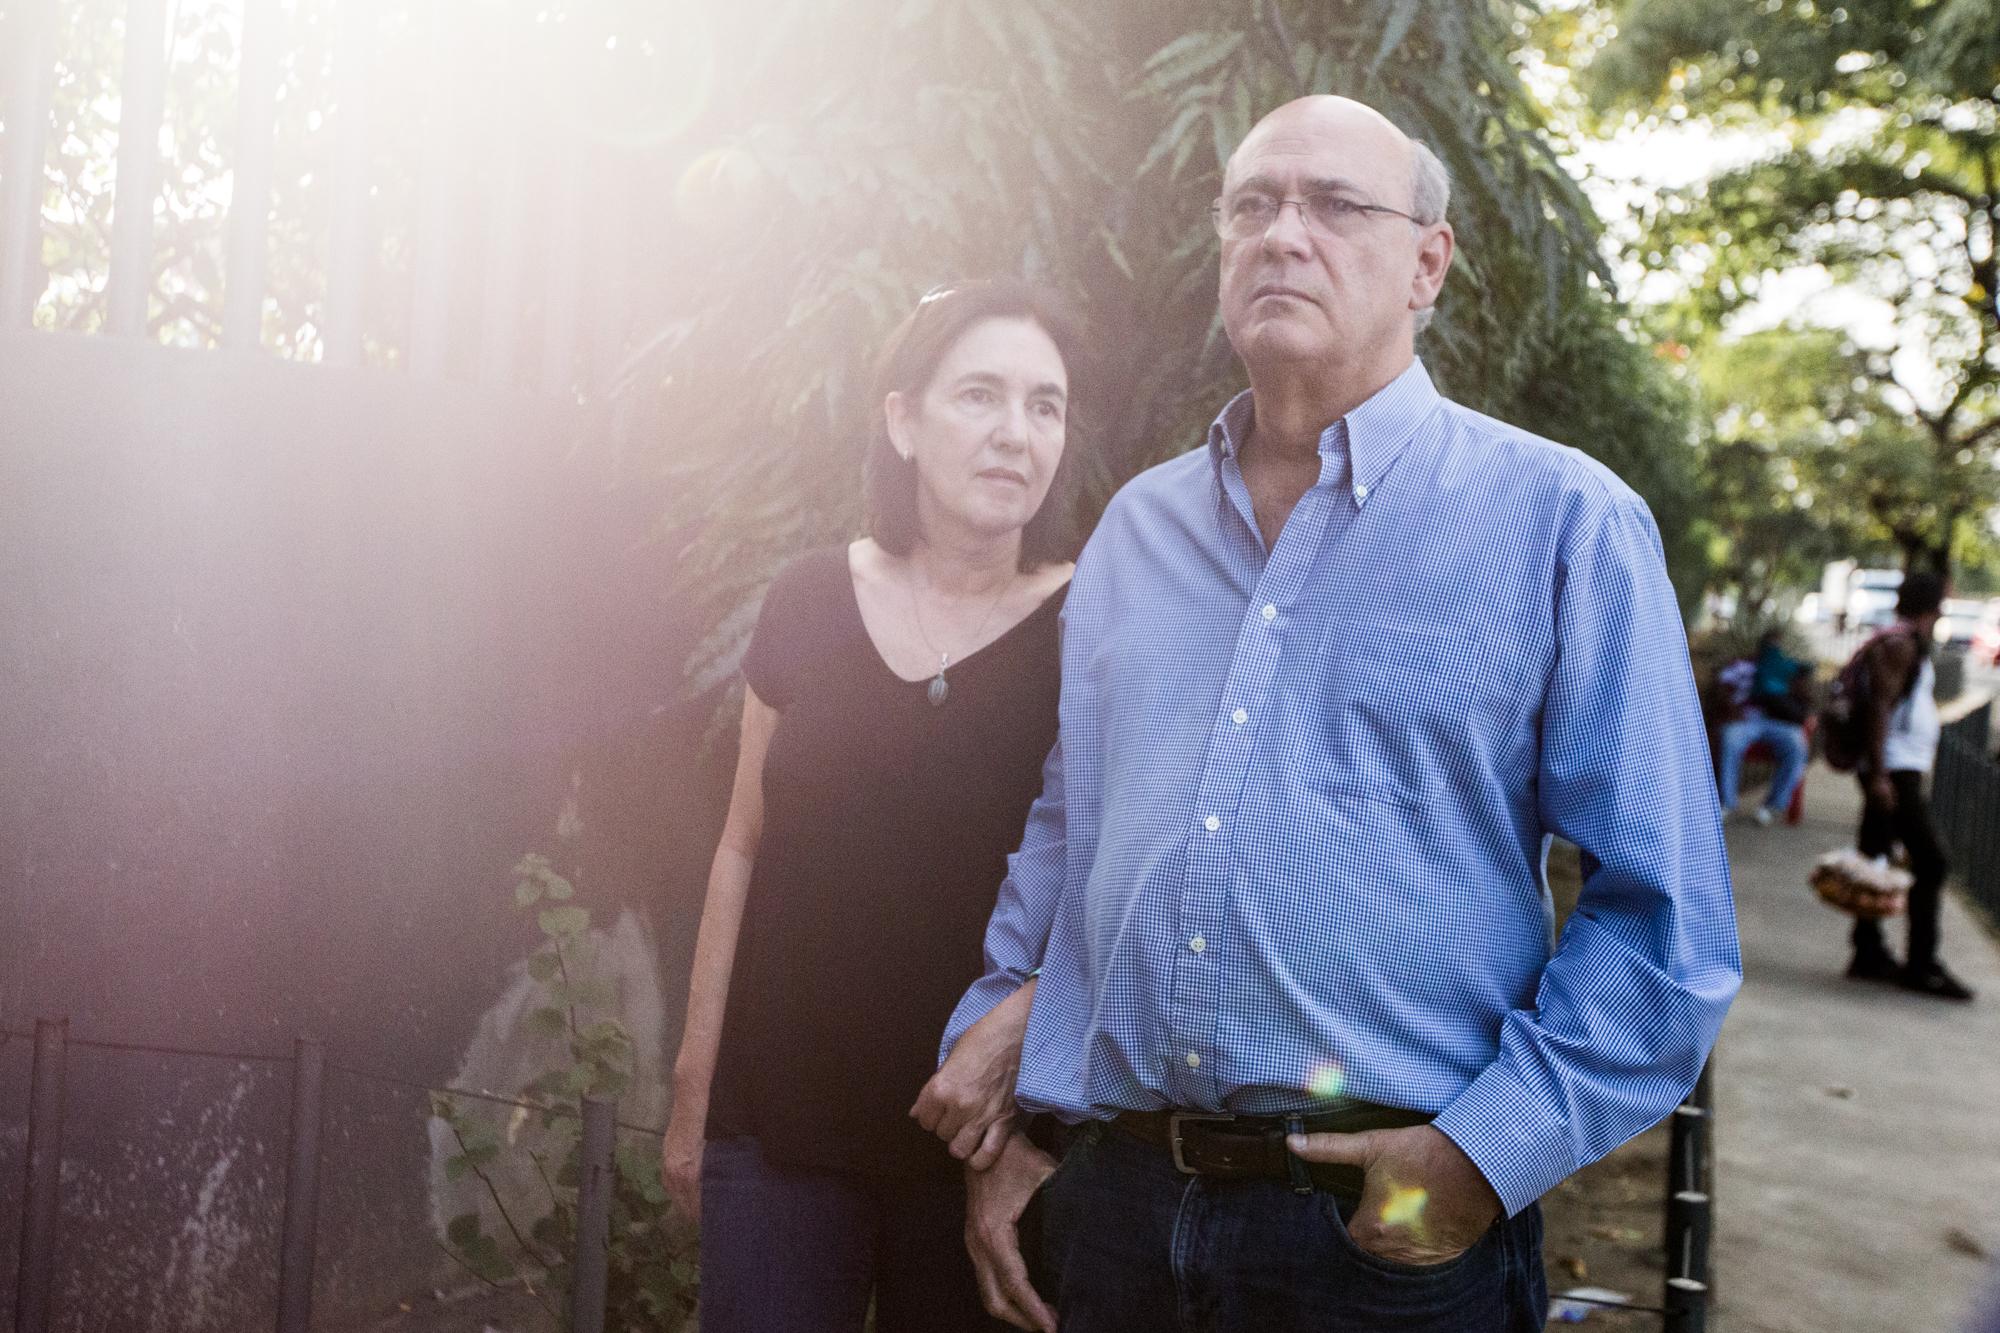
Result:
pixel 1434 254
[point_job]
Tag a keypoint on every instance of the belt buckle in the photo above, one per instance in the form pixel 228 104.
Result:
pixel 1175 1119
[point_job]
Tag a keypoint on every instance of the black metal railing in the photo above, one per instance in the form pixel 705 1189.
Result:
pixel 1965 799
pixel 41 1200
pixel 1690 1208
pixel 1683 1308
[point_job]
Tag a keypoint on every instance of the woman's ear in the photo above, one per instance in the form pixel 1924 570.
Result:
pixel 896 412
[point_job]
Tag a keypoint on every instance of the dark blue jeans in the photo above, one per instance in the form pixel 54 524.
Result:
pixel 800 1251
pixel 1130 1245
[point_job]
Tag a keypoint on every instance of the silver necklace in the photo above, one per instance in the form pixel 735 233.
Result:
pixel 940 689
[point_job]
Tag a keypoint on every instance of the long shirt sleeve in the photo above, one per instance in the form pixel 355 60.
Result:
pixel 1630 1003
pixel 1289 851
pixel 1019 929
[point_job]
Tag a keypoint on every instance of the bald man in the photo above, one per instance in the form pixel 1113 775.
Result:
pixel 1277 926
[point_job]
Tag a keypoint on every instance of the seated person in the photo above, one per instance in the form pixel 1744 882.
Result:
pixel 1762 702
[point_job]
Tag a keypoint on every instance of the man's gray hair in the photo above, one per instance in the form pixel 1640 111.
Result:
pixel 1430 193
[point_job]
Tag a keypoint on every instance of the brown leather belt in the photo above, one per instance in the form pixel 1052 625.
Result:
pixel 1252 1147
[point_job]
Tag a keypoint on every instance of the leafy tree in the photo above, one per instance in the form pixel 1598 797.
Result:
pixel 1616 396
pixel 856 153
pixel 1785 414
pixel 1082 143
pixel 1889 180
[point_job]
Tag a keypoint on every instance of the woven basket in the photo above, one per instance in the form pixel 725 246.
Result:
pixel 1852 883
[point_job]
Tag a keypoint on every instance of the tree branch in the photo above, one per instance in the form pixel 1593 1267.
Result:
pixel 459 1259
pixel 1287 48
pixel 505 1216
pixel 1981 436
pixel 1887 379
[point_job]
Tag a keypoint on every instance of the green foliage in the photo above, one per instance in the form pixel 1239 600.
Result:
pixel 1888 180
pixel 1776 502
pixel 1618 399
pixel 1805 459
pixel 1080 143
pixel 654 1272
pixel 857 153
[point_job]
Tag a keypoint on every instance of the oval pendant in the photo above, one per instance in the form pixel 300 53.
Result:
pixel 938 690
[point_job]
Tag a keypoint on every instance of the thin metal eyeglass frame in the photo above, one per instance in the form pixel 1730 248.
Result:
pixel 1220 222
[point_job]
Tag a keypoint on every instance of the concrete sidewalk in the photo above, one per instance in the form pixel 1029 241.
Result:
pixel 1857 1169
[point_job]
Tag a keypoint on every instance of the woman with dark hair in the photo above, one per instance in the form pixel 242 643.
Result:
pixel 900 700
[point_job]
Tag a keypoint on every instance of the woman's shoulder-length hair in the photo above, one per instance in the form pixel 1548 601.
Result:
pixel 908 362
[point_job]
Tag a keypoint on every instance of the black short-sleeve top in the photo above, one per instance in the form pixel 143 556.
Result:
pixel 887 826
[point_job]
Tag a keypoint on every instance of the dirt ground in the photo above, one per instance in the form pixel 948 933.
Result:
pixel 476 1311
pixel 1604 1229
pixel 1605 1224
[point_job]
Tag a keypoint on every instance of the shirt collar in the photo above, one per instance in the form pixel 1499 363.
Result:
pixel 1372 435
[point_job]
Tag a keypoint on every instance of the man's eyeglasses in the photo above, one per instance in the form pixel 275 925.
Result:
pixel 1240 217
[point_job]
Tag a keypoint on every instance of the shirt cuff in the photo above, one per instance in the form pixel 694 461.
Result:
pixel 1522 1149
pixel 980 1000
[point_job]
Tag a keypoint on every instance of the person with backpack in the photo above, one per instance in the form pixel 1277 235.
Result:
pixel 1893 727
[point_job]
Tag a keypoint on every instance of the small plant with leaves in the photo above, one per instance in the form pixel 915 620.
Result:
pixel 653 1274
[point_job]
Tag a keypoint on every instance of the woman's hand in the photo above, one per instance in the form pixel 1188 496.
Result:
pixel 680 1163
pixel 969 1102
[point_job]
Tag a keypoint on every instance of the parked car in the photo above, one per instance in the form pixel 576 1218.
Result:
pixel 1958 627
pixel 1986 634
pixel 1871 597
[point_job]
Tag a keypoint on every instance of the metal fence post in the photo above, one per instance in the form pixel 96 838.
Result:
pixel 295 1255
pixel 1689 1211
pixel 1687 1305
pixel 41 1203
pixel 589 1276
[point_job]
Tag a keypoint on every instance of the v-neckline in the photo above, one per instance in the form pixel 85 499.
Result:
pixel 875 649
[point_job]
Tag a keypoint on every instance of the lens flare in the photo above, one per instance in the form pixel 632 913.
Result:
pixel 629 73
pixel 1327 1081
pixel 1404 1207
pixel 721 191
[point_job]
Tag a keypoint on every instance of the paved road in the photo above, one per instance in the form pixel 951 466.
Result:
pixel 1858 1127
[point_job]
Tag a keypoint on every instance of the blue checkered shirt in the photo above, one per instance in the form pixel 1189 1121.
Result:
pixel 1290 846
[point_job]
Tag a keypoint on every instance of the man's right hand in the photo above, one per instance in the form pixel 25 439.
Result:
pixel 1881 791
pixel 680 1163
pixel 994 1201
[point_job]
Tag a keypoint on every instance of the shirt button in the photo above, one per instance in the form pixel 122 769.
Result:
pixel 1361 492
pixel 1270 612
pixel 1194 1061
pixel 1211 823
pixel 1197 944
pixel 1239 717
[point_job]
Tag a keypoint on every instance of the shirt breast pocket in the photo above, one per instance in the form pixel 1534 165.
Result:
pixel 1397 702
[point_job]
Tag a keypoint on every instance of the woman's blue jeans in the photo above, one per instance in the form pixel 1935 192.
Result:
pixel 786 1250
pixel 1131 1245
